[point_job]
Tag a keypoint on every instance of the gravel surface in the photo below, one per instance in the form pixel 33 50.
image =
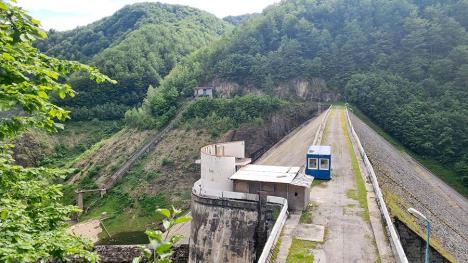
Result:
pixel 416 187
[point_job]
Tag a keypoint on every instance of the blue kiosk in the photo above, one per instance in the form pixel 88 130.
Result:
pixel 318 162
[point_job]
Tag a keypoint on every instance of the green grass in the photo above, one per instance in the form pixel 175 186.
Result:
pixel 359 194
pixel 77 138
pixel 128 209
pixel 447 174
pixel 301 251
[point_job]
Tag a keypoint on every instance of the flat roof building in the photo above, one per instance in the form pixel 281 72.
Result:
pixel 283 181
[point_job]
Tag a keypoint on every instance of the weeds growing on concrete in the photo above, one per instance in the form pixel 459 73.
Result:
pixel 301 251
pixel 306 216
pixel 359 194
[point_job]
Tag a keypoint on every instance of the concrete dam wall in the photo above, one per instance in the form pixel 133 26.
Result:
pixel 226 230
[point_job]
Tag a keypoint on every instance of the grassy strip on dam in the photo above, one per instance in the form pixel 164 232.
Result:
pixel 360 193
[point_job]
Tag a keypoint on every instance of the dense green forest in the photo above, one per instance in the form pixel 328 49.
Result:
pixel 137 46
pixel 403 62
pixel 237 20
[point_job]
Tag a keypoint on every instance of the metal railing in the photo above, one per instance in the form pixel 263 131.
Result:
pixel 395 242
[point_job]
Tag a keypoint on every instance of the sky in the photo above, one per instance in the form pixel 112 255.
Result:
pixel 68 14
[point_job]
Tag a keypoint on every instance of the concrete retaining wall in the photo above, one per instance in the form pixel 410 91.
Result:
pixel 226 230
pixel 126 253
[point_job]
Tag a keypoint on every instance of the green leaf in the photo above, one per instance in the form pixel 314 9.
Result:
pixel 156 235
pixel 163 248
pixel 166 224
pixel 3 6
pixel 136 260
pixel 42 94
pixel 7 56
pixel 182 219
pixel 35 21
pixel 3 214
pixel 176 238
pixel 165 212
pixel 147 252
pixel 61 94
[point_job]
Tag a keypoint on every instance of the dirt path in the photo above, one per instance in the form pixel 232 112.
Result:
pixel 349 236
pixel 408 184
pixel 89 229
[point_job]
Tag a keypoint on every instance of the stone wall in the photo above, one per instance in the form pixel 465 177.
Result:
pixel 126 253
pixel 228 230
pixel 415 246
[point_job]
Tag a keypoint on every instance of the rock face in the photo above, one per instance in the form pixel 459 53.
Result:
pixel 259 139
pixel 126 253
pixel 227 230
pixel 311 89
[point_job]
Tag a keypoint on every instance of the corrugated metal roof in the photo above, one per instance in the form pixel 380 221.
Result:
pixel 319 150
pixel 302 179
pixel 266 173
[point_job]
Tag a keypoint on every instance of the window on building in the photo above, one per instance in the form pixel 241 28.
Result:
pixel 324 164
pixel 313 163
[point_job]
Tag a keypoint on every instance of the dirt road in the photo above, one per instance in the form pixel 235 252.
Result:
pixel 408 184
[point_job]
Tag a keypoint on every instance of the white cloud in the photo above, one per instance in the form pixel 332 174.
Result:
pixel 68 14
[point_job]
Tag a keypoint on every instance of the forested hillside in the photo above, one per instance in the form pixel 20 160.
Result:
pixel 403 62
pixel 137 46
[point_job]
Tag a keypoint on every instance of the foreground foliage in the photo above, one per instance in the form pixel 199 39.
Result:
pixel 32 220
pixel 161 244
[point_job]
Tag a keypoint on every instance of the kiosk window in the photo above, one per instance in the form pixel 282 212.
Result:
pixel 324 164
pixel 313 163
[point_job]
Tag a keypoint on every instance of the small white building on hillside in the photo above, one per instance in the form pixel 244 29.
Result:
pixel 203 92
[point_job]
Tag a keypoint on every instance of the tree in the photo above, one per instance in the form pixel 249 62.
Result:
pixel 32 220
